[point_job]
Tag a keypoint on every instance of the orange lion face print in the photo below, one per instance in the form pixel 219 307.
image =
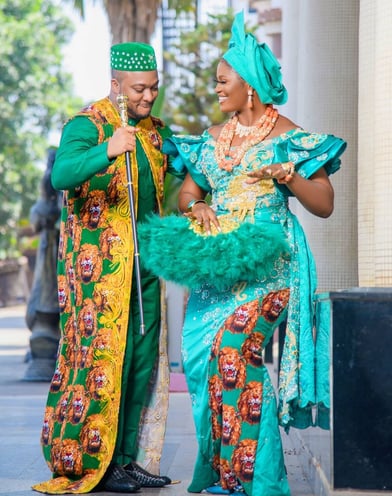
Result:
pixel 62 245
pixel 63 292
pixel 89 263
pixel 104 341
pixel 228 477
pixel 231 368
pixel 274 303
pixel 231 426
pixel 94 435
pixel 87 321
pixel 69 271
pixel 100 380
pixel 250 401
pixel 94 209
pixel 103 295
pixel 252 349
pixel 244 318
pixel 107 240
pixel 82 190
pixel 60 375
pixel 62 407
pixel 117 185
pixel 67 457
pixel 85 357
pixel 244 458
pixel 70 220
pixel 216 427
pixel 91 436
pixel 78 405
pixel 215 394
pixel 70 340
pixel 47 426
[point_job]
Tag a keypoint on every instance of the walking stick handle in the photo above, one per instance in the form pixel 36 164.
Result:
pixel 122 102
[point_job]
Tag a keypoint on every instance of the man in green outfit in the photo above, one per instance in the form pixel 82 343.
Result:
pixel 101 415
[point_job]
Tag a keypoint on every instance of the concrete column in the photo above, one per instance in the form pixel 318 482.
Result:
pixel 290 56
pixel 325 35
pixel 375 144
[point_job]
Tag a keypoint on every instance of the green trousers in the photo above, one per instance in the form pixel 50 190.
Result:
pixel 140 357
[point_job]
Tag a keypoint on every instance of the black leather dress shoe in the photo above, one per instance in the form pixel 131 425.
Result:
pixel 144 478
pixel 117 480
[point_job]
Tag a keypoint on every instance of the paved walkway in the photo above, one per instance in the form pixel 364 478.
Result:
pixel 21 412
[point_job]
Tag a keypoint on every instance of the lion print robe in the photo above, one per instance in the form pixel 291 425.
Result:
pixel 94 285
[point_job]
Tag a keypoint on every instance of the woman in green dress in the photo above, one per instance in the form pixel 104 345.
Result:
pixel 247 264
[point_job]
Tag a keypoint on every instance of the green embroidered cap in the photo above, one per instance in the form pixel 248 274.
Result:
pixel 133 57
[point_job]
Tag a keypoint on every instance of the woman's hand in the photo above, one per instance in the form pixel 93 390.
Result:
pixel 204 215
pixel 191 203
pixel 276 171
pixel 315 193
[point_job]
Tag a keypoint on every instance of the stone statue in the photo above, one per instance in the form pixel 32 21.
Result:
pixel 42 314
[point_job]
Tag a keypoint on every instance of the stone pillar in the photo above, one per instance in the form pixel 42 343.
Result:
pixel 375 144
pixel 290 56
pixel 320 56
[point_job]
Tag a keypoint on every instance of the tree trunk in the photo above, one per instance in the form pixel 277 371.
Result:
pixel 132 20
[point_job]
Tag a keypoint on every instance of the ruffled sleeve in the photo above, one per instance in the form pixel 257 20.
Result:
pixel 311 151
pixel 186 151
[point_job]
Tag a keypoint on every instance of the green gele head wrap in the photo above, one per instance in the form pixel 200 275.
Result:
pixel 132 57
pixel 255 63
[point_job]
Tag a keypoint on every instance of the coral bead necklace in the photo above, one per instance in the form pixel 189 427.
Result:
pixel 227 159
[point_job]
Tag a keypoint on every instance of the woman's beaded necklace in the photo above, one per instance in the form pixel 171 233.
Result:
pixel 228 159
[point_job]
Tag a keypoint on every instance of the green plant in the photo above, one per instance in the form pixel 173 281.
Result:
pixel 35 99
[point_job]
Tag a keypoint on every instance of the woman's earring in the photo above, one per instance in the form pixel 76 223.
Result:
pixel 250 99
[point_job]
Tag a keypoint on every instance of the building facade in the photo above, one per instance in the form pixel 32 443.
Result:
pixel 337 66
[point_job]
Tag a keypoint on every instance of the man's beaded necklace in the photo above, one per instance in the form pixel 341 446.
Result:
pixel 227 159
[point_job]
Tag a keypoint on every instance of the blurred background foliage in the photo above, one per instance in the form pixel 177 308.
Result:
pixel 191 104
pixel 35 98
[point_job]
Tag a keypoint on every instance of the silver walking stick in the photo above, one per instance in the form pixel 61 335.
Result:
pixel 122 102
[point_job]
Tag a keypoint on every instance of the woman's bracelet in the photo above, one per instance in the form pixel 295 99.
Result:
pixel 192 203
pixel 289 169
